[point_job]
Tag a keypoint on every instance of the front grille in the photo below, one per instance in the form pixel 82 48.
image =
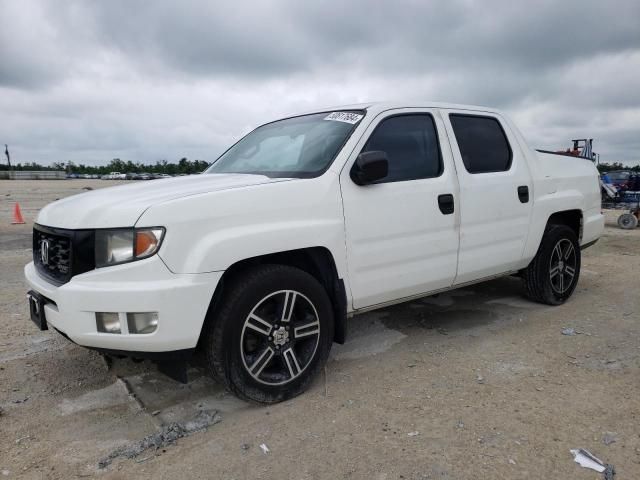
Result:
pixel 59 254
pixel 52 255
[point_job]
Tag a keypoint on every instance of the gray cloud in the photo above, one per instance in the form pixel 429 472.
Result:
pixel 89 81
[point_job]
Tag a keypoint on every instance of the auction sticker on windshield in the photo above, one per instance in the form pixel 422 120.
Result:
pixel 347 117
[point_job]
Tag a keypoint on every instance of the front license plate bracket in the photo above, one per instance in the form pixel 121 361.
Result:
pixel 36 309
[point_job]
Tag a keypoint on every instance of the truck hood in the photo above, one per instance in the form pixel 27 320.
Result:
pixel 122 205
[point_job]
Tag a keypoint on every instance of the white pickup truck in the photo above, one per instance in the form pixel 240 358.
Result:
pixel 114 176
pixel 304 222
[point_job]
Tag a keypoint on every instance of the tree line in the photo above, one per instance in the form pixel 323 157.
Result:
pixel 184 165
pixel 609 167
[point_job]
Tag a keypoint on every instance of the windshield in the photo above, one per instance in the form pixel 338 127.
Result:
pixel 300 147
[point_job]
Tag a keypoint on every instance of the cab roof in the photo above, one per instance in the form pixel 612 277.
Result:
pixel 377 107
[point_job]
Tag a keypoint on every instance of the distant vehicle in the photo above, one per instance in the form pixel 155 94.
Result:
pixel 130 176
pixel 114 176
pixel 143 176
pixel 157 176
pixel 618 178
pixel 621 188
pixel 306 221
pixel 71 175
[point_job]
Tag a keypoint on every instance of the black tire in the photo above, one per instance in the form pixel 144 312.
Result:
pixel 627 221
pixel 235 349
pixel 547 279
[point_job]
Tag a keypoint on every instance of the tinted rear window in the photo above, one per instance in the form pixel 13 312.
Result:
pixel 483 144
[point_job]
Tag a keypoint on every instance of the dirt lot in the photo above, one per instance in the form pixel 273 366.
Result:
pixel 478 383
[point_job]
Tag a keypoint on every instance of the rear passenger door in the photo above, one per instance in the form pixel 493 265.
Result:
pixel 495 194
pixel 400 240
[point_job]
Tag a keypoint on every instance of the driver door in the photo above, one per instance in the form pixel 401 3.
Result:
pixel 402 239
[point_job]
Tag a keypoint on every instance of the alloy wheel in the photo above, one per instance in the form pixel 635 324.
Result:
pixel 280 337
pixel 562 266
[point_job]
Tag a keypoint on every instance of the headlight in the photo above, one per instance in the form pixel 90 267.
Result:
pixel 123 245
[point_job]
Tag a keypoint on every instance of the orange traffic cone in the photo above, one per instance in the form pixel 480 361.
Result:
pixel 17 215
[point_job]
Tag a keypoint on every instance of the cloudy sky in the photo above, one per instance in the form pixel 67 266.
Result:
pixel 88 81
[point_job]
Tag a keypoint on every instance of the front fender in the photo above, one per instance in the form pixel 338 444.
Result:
pixel 217 250
pixel 211 232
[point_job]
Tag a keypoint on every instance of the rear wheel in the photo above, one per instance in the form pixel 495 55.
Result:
pixel 628 221
pixel 271 334
pixel 553 274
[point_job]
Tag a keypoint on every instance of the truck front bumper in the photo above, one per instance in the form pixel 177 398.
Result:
pixel 180 301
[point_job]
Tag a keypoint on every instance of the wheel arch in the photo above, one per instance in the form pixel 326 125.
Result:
pixel 317 261
pixel 571 218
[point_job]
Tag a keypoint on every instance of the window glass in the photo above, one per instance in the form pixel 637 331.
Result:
pixel 483 145
pixel 299 147
pixel 411 145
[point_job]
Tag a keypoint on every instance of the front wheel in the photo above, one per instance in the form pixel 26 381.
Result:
pixel 271 335
pixel 553 274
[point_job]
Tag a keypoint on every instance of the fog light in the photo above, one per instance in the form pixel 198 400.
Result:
pixel 108 322
pixel 143 322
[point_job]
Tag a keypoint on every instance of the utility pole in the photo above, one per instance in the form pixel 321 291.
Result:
pixel 6 152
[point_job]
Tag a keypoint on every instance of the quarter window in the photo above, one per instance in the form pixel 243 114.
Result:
pixel 411 145
pixel 483 144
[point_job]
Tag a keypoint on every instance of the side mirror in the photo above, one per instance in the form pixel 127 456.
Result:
pixel 370 167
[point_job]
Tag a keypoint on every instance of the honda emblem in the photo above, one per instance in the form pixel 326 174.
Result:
pixel 44 251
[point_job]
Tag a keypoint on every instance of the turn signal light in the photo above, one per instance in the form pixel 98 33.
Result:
pixel 146 242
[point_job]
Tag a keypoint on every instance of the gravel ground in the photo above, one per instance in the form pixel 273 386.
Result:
pixel 477 383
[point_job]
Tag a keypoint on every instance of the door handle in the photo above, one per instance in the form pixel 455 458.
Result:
pixel 523 193
pixel 446 204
